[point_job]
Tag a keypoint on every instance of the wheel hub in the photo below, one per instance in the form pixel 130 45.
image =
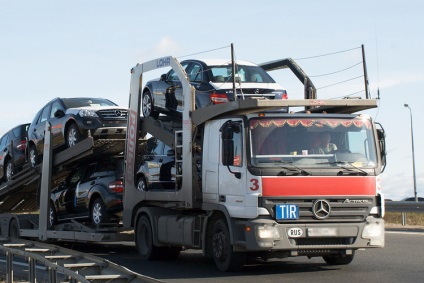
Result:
pixel 219 246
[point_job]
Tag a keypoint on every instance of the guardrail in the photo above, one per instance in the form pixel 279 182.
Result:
pixel 63 264
pixel 404 207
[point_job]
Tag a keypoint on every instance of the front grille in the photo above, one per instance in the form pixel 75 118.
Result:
pixel 323 241
pixel 341 211
pixel 113 114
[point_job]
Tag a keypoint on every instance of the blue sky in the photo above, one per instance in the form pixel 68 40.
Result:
pixel 87 48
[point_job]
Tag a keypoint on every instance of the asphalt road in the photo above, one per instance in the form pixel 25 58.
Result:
pixel 402 260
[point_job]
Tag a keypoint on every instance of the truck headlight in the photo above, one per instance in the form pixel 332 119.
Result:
pixel 267 232
pixel 375 232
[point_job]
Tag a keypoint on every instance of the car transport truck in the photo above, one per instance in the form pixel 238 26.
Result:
pixel 247 180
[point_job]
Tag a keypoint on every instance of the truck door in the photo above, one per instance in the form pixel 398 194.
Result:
pixel 232 169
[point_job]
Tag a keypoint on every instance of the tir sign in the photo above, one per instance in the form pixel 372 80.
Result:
pixel 287 211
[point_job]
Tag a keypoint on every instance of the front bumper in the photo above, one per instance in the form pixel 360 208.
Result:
pixel 310 239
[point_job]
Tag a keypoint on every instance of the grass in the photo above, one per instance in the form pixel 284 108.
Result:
pixel 412 218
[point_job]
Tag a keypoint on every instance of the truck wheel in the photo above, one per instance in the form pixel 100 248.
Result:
pixel 144 240
pixel 14 229
pixel 9 171
pixel 98 213
pixel 224 256
pixel 339 259
pixel 33 156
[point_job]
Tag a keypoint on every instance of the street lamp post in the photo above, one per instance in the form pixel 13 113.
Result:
pixel 413 154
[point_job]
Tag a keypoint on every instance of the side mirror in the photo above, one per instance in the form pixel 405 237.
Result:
pixel 163 77
pixel 227 137
pixel 59 113
pixel 381 135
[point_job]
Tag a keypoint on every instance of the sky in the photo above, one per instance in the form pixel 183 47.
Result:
pixel 63 48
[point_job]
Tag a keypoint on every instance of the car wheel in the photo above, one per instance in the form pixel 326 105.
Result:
pixel 33 156
pixel 144 240
pixel 8 171
pixel 73 135
pixel 224 256
pixel 52 216
pixel 98 213
pixel 141 184
pixel 339 259
pixel 147 105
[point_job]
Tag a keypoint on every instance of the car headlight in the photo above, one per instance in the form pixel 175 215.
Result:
pixel 87 113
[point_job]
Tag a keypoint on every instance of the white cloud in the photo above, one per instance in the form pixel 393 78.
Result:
pixel 165 47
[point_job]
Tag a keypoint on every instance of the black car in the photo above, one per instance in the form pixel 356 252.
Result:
pixel 413 199
pixel 12 151
pixel 93 191
pixel 73 119
pixel 157 169
pixel 213 82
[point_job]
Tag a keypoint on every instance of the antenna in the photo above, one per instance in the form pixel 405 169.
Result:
pixel 367 94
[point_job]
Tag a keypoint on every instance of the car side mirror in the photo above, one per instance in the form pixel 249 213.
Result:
pixel 59 113
pixel 163 77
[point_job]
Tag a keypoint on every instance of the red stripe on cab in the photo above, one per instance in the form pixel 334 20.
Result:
pixel 319 186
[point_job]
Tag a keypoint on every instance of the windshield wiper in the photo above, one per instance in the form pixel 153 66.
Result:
pixel 294 170
pixel 348 167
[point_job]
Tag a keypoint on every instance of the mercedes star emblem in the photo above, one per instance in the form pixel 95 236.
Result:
pixel 321 209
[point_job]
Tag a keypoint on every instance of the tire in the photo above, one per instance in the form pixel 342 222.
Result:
pixel 339 259
pixel 144 240
pixel 14 229
pixel 52 216
pixel 224 256
pixel 73 135
pixel 98 213
pixel 147 105
pixel 8 171
pixel 33 156
pixel 141 184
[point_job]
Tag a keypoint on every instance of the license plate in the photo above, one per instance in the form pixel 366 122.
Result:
pixel 319 232
pixel 287 211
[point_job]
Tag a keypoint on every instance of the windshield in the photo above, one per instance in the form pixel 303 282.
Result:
pixel 86 102
pixel 244 74
pixel 313 142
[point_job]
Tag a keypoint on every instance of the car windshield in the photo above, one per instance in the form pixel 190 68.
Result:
pixel 86 102
pixel 313 142
pixel 244 74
